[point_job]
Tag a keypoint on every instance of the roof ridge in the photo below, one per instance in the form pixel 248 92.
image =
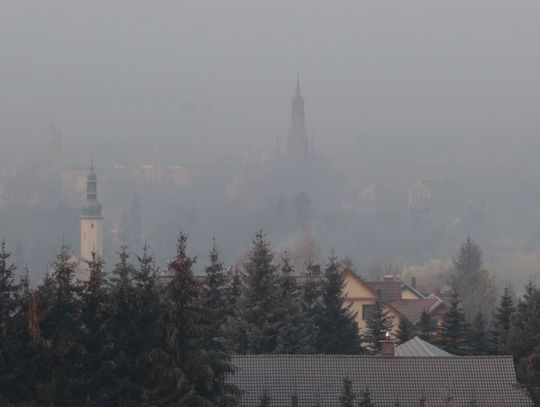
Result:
pixel 378 357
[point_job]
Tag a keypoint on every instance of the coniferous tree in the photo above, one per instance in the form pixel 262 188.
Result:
pixel 215 308
pixel 347 397
pixel 95 338
pixel 13 338
pixel 232 292
pixel 183 368
pixel 475 286
pixel 214 300
pixel 336 322
pixel 297 333
pixel 453 332
pixel 311 298
pixel 533 374
pixel 146 302
pixel 502 319
pixel 365 400
pixel 405 330
pixel 254 328
pixel 124 331
pixel 425 329
pixel 377 326
pixel 524 336
pixel 58 364
pixel 480 338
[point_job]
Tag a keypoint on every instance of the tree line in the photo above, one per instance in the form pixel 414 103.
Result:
pixel 140 336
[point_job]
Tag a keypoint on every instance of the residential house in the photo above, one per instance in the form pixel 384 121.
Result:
pixel 402 300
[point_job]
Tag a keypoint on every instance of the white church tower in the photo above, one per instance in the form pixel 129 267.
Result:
pixel 91 220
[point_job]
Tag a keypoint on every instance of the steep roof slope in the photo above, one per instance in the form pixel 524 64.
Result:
pixel 412 309
pixel 418 347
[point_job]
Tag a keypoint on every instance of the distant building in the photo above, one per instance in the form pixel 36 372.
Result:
pixel 429 194
pixel 405 381
pixel 91 220
pixel 402 300
pixel 298 144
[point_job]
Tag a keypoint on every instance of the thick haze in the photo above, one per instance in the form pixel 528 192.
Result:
pixel 395 92
pixel 117 72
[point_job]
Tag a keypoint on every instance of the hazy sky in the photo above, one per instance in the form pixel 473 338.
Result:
pixel 212 76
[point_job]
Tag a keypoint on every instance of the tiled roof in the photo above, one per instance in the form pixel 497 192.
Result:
pixel 489 380
pixel 418 347
pixel 412 309
pixel 389 290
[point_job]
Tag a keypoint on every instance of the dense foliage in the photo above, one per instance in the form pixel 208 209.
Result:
pixel 138 336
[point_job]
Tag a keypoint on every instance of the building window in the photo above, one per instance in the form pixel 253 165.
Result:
pixel 367 311
pixel 92 225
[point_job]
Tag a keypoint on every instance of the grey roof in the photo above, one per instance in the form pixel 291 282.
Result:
pixel 419 347
pixel 489 380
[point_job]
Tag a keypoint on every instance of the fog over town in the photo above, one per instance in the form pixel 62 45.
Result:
pixel 421 128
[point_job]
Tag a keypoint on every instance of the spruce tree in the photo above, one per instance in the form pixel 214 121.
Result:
pixel 59 357
pixel 405 330
pixel 297 333
pixel 254 328
pixel 377 325
pixel 524 336
pixel 311 301
pixel 124 330
pixel 183 368
pixel 214 307
pixel 480 338
pixel 425 329
pixel 475 286
pixel 347 397
pixel 214 291
pixel 233 289
pixel 8 291
pixel 453 332
pixel 95 337
pixel 12 330
pixel 146 294
pixel 502 320
pixel 336 321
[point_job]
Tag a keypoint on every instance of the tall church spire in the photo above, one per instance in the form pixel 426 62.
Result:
pixel 298 142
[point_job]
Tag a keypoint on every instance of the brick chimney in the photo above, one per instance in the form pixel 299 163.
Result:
pixel 388 346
